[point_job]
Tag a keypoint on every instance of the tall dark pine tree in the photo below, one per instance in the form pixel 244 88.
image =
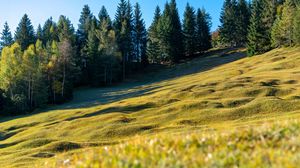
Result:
pixel 256 29
pixel 103 16
pixel 65 30
pixel 268 18
pixel 189 30
pixel 39 33
pixel 84 25
pixel 228 28
pixel 123 27
pixel 25 33
pixel 164 32
pixel 92 53
pixel 49 32
pixel 139 36
pixel 84 28
pixel 176 36
pixel 242 22
pixel 6 37
pixel 170 34
pixel 203 27
pixel 153 48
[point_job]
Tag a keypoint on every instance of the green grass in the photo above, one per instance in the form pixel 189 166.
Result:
pixel 269 145
pixel 236 104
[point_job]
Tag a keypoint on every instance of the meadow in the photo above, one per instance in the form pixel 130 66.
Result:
pixel 221 110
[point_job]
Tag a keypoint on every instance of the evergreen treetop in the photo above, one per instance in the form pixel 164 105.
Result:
pixel 5 37
pixel 25 33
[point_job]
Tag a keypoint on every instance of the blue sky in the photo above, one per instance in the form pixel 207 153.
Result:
pixel 40 10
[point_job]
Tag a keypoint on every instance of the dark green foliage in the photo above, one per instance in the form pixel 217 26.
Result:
pixel 176 40
pixel 153 48
pixel 50 32
pixel 65 29
pixel 91 50
pixel 103 16
pixel 296 26
pixel 84 25
pixel 265 30
pixel 39 33
pixel 256 29
pixel 234 22
pixel 282 30
pixel 6 106
pixel 203 36
pixel 164 34
pixel 189 30
pixel 108 62
pixel 139 37
pixel 43 66
pixel 6 37
pixel 123 28
pixel 268 17
pixel 228 28
pixel 66 71
pixel 242 19
pixel 25 33
pixel 170 34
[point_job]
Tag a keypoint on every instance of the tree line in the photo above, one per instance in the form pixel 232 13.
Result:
pixel 42 66
pixel 260 25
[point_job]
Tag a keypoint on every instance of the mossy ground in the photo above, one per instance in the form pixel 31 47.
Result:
pixel 236 104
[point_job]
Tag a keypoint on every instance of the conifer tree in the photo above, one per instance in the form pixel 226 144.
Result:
pixel 189 30
pixel 268 18
pixel 91 50
pixel 228 28
pixel 66 60
pixel 39 33
pixel 296 26
pixel 282 31
pixel 84 25
pixel 176 36
pixel 242 22
pixel 103 16
pixel 170 34
pixel 256 29
pixel 139 36
pixel 108 61
pixel 5 37
pixel 203 26
pixel 164 32
pixel 25 33
pixel 123 27
pixel 153 48
pixel 65 30
pixel 49 32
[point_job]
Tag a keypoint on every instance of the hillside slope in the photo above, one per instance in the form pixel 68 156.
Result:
pixel 203 94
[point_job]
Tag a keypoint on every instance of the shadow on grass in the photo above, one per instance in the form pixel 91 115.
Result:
pixel 126 109
pixel 90 97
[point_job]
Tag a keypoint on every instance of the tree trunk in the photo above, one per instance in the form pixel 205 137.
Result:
pixel 105 75
pixel 32 87
pixel 124 67
pixel 64 79
pixel 29 92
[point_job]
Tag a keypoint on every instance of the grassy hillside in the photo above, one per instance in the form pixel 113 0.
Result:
pixel 214 108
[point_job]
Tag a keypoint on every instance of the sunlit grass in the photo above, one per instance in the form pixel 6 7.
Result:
pixel 218 99
pixel 268 145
